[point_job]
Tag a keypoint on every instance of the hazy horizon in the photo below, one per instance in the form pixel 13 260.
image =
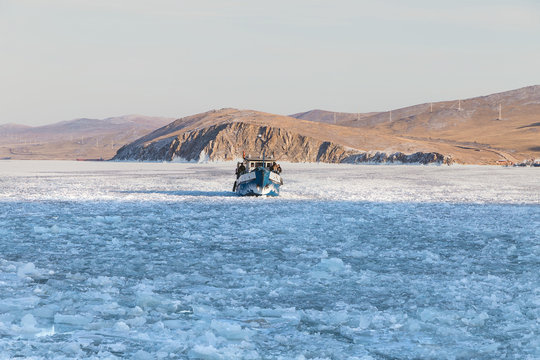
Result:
pixel 63 59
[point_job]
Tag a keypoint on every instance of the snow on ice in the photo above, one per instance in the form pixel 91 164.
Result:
pixel 152 261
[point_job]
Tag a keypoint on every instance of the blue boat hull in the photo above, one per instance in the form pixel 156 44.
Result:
pixel 258 182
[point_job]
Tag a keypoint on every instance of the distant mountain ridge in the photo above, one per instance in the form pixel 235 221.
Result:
pixel 529 95
pixel 78 138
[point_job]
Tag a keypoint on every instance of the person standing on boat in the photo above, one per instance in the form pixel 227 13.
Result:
pixel 240 169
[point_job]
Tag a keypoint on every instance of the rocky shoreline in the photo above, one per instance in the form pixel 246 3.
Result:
pixel 423 158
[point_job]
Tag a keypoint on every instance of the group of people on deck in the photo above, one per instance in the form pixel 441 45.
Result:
pixel 275 167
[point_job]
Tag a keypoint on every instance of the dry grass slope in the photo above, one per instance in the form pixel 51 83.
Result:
pixel 79 138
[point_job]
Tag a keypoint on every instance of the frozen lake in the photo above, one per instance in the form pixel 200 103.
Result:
pixel 151 261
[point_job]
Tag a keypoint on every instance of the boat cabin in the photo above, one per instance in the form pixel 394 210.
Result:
pixel 252 163
pixel 249 164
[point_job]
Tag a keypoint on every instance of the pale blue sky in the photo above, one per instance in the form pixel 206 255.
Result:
pixel 63 59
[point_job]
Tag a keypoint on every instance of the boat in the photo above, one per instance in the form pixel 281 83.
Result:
pixel 257 176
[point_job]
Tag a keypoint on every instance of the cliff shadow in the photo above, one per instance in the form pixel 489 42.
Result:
pixel 530 125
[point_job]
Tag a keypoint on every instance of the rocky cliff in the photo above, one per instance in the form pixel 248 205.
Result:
pixel 227 141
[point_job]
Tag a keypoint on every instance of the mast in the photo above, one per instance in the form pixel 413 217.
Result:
pixel 259 136
pixel 459 105
pixel 500 112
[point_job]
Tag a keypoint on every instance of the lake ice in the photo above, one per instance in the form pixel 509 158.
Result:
pixel 162 260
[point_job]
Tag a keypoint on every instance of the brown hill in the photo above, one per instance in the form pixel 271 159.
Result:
pixel 472 123
pixel 224 134
pixel 79 138
pixel 465 128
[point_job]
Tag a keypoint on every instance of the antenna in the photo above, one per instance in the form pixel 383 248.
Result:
pixel 431 110
pixel 357 116
pixel 390 115
pixel 459 105
pixel 259 136
pixel 500 112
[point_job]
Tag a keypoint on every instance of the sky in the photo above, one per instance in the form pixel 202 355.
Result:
pixel 66 59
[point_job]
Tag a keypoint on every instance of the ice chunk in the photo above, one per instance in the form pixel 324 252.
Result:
pixel 358 254
pixel 173 324
pixel 121 326
pixel 46 332
pixel 41 229
pixel 205 352
pixel 204 311
pixel 142 355
pixel 431 257
pixel 28 269
pixel 101 281
pixel 292 316
pixel 72 349
pixel 138 321
pixel 112 219
pixel 328 267
pixel 475 319
pixel 18 303
pixel 146 298
pixel 118 347
pixel 333 264
pixel 136 311
pixel 77 320
pixel 229 330
pixel 28 324
pixel 28 327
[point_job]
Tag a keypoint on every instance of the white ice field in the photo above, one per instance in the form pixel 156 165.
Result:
pixel 162 261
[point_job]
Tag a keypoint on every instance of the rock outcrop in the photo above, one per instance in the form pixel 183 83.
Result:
pixel 399 158
pixel 229 140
